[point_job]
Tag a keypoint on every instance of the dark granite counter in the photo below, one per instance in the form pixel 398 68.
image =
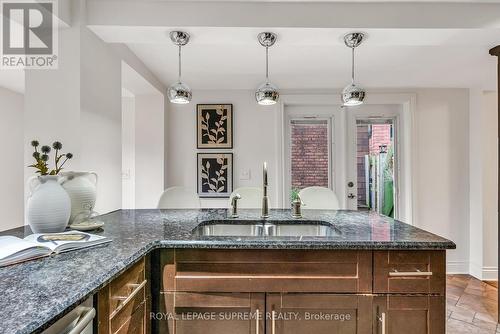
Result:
pixel 35 294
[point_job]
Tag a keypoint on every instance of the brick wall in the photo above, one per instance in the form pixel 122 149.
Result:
pixel 309 148
pixel 381 135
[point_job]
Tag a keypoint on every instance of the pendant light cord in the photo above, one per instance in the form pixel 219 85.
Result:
pixel 180 71
pixel 352 67
pixel 267 64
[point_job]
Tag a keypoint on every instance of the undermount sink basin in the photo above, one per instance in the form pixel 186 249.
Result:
pixel 267 228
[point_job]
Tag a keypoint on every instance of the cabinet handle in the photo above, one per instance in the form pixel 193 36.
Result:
pixel 125 300
pixel 257 321
pixel 396 273
pixel 273 322
pixel 381 318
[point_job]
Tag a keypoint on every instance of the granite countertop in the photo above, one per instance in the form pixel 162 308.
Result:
pixel 35 294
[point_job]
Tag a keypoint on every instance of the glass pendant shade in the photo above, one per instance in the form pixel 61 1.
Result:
pixel 179 93
pixel 353 95
pixel 267 94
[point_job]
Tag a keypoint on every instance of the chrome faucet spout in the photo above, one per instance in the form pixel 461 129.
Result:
pixel 265 199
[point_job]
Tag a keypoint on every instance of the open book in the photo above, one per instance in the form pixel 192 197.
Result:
pixel 14 250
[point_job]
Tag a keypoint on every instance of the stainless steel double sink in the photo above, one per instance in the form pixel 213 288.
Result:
pixel 265 228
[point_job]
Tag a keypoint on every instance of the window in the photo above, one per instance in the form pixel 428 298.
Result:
pixel 310 154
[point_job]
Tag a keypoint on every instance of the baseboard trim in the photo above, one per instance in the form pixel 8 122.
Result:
pixel 476 270
pixel 457 267
pixel 490 274
pixel 487 273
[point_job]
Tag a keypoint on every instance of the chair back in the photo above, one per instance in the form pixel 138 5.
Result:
pixel 319 198
pixel 179 198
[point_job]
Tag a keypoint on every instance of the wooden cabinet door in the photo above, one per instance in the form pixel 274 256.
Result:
pixel 409 314
pixel 212 313
pixel 299 313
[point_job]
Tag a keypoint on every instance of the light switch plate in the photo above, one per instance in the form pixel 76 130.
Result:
pixel 245 174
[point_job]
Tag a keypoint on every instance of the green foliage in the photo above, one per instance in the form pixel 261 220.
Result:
pixel 294 193
pixel 41 160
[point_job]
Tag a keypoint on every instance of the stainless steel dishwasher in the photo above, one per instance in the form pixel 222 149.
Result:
pixel 77 321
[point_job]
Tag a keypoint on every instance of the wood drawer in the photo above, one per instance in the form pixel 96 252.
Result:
pixel 134 324
pixel 125 284
pixel 206 270
pixel 409 314
pixel 409 272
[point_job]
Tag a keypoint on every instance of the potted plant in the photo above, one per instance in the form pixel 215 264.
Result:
pixel 49 205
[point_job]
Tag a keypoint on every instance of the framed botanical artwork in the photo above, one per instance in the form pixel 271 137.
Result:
pixel 215 174
pixel 214 125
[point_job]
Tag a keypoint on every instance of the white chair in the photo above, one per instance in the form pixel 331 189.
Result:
pixel 179 198
pixel 319 198
pixel 251 198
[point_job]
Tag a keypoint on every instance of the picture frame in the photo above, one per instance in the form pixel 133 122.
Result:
pixel 215 174
pixel 214 126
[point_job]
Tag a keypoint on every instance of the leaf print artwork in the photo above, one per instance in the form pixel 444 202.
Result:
pixel 215 174
pixel 215 184
pixel 214 126
pixel 215 135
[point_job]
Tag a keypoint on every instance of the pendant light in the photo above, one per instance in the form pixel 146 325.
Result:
pixel 353 95
pixel 267 93
pixel 179 92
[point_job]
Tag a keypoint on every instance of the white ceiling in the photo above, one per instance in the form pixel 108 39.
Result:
pixel 430 1
pixel 424 49
pixel 222 58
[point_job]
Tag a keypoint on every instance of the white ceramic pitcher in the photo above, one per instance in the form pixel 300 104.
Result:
pixel 49 206
pixel 82 189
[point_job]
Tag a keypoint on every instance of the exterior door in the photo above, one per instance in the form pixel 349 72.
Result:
pixel 372 159
pixel 299 313
pixel 409 314
pixel 213 313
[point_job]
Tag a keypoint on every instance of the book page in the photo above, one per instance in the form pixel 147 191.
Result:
pixel 13 247
pixel 75 240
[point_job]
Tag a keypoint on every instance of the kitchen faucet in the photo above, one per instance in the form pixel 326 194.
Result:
pixel 265 199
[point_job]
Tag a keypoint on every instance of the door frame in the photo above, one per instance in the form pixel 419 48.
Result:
pixel 409 149
pixel 351 146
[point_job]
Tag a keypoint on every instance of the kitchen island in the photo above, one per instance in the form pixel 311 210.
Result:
pixel 37 293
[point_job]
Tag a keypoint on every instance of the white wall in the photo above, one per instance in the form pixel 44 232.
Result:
pixel 80 104
pixel 11 137
pixel 143 127
pixel 128 152
pixel 254 141
pixel 52 103
pixel 440 156
pixel 483 185
pixel 149 150
pixel 490 228
pixel 100 118
pixel 441 167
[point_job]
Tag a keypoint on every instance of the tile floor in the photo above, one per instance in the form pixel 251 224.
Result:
pixel 471 306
